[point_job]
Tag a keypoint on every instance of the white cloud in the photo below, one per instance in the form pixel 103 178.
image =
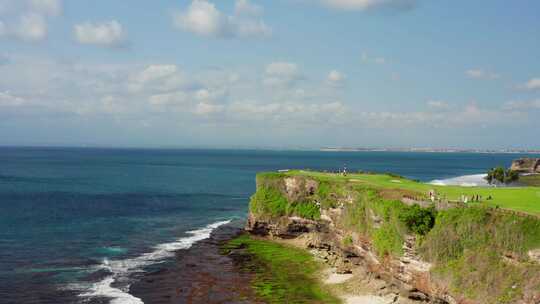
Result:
pixel 47 7
pixel 27 20
pixel 481 74
pixel 246 7
pixel 204 19
pixel 8 99
pixel 335 78
pixel 204 108
pixel 281 74
pixel 104 93
pixel 109 33
pixel 523 105
pixel 156 71
pixel 532 84
pixel 287 112
pixel 157 78
pixel 31 27
pixel 363 5
pixel 169 98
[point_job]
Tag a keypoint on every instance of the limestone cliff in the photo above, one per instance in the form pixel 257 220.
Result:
pixel 448 260
pixel 526 165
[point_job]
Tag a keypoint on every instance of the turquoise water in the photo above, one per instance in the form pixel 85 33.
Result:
pixel 79 225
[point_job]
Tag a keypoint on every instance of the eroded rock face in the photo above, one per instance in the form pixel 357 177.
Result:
pixel 526 165
pixel 297 188
pixel 282 227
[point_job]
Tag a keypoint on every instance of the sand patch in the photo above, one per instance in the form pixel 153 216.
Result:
pixel 350 299
pixel 336 278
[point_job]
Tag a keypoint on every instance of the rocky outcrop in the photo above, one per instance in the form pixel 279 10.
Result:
pixel 526 165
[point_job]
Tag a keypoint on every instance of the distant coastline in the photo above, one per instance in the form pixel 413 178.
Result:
pixel 432 150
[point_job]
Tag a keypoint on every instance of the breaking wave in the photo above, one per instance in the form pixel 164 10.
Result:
pixel 475 180
pixel 116 285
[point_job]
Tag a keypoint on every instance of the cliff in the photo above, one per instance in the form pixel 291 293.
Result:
pixel 526 165
pixel 442 252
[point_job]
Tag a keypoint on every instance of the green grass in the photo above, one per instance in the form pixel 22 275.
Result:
pixel 270 202
pixel 283 274
pixel 524 199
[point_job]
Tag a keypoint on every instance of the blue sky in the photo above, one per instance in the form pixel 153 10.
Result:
pixel 282 73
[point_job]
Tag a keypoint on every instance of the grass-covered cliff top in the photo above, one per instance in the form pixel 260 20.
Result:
pixel 477 252
pixel 524 199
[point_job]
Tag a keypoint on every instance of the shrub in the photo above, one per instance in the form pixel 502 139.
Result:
pixel 499 175
pixel 419 220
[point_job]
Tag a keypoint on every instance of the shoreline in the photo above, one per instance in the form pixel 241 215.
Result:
pixel 199 274
pixel 205 274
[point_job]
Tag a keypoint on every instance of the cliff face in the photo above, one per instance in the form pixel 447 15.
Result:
pixel 456 255
pixel 526 165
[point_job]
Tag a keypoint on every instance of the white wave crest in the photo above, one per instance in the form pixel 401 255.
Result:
pixel 475 180
pixel 121 269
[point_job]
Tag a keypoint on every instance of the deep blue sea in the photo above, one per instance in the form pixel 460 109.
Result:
pixel 79 225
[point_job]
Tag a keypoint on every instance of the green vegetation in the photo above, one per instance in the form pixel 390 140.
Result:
pixel 282 274
pixel 419 220
pixel 467 245
pixel 347 241
pixel 502 176
pixel 524 199
pixel 269 201
pixel 477 250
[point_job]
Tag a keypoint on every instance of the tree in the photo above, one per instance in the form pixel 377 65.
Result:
pixel 500 176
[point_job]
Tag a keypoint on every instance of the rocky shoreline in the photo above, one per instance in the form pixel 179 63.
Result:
pixel 203 274
pixel 200 274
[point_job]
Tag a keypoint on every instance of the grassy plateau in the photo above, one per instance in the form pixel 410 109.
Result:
pixel 524 199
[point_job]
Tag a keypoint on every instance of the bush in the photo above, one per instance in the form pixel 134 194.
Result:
pixel 419 220
pixel 499 175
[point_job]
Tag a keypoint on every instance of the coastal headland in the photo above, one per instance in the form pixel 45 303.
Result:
pixel 316 237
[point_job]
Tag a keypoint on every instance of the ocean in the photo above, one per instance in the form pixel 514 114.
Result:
pixel 81 225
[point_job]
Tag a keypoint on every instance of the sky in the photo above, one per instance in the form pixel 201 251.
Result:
pixel 270 74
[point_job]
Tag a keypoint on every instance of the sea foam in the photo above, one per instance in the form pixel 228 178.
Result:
pixel 121 269
pixel 475 180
